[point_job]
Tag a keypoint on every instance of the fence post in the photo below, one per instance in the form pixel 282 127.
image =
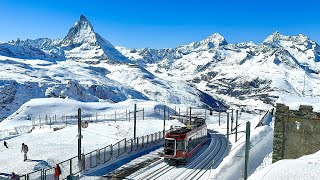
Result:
pixel 50 122
pixel 231 120
pixel 179 115
pixel 219 115
pixel 142 113
pixel 126 114
pixel 119 148
pixel 129 115
pixel 164 120
pixel 125 144
pixel 111 151
pixel 247 150
pixel 96 116
pixel 70 166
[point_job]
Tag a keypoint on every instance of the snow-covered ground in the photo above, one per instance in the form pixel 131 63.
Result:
pixel 47 147
pixel 306 167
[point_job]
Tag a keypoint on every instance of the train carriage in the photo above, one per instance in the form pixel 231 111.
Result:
pixel 181 144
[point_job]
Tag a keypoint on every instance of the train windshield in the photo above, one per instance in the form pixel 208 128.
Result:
pixel 169 144
pixel 169 147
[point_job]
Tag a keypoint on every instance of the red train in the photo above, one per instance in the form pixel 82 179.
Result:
pixel 182 143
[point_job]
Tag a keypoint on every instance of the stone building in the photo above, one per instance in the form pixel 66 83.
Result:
pixel 296 128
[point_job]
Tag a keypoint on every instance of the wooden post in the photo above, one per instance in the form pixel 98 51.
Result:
pixel 126 115
pixel 142 113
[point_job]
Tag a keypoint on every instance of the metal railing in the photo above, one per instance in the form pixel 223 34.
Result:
pixel 97 157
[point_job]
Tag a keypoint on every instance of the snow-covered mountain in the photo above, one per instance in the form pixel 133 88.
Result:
pixel 85 67
pixel 242 74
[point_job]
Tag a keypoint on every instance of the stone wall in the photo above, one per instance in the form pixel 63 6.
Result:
pixel 296 132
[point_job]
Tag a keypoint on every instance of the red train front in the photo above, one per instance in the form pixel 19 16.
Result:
pixel 182 143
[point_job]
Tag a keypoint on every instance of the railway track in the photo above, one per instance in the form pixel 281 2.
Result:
pixel 197 168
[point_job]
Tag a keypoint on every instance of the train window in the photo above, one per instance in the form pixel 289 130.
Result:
pixel 169 144
pixel 180 145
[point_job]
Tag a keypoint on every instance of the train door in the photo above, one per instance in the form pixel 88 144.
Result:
pixel 170 147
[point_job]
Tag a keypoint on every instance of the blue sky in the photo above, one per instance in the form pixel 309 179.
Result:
pixel 160 24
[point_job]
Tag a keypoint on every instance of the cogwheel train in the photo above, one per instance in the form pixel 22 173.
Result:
pixel 181 144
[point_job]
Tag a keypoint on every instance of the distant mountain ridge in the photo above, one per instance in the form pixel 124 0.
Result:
pixel 239 72
pixel 81 43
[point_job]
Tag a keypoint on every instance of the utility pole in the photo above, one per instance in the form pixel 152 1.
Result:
pixel 164 120
pixel 228 126
pixel 236 138
pixel 304 80
pixel 135 122
pixel 246 162
pixel 79 134
pixel 190 117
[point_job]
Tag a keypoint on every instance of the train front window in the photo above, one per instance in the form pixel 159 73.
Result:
pixel 169 144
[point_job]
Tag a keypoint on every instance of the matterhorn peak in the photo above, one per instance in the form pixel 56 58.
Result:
pixel 83 18
pixel 81 32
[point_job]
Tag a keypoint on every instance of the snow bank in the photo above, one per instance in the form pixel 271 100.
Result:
pixel 295 102
pixel 306 167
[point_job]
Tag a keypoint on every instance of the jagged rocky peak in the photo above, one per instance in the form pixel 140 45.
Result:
pixel 276 37
pixel 216 39
pixel 81 32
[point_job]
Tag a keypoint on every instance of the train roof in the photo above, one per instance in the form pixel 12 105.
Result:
pixel 183 130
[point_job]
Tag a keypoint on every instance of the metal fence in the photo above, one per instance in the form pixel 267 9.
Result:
pixel 97 157
pixel 108 153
